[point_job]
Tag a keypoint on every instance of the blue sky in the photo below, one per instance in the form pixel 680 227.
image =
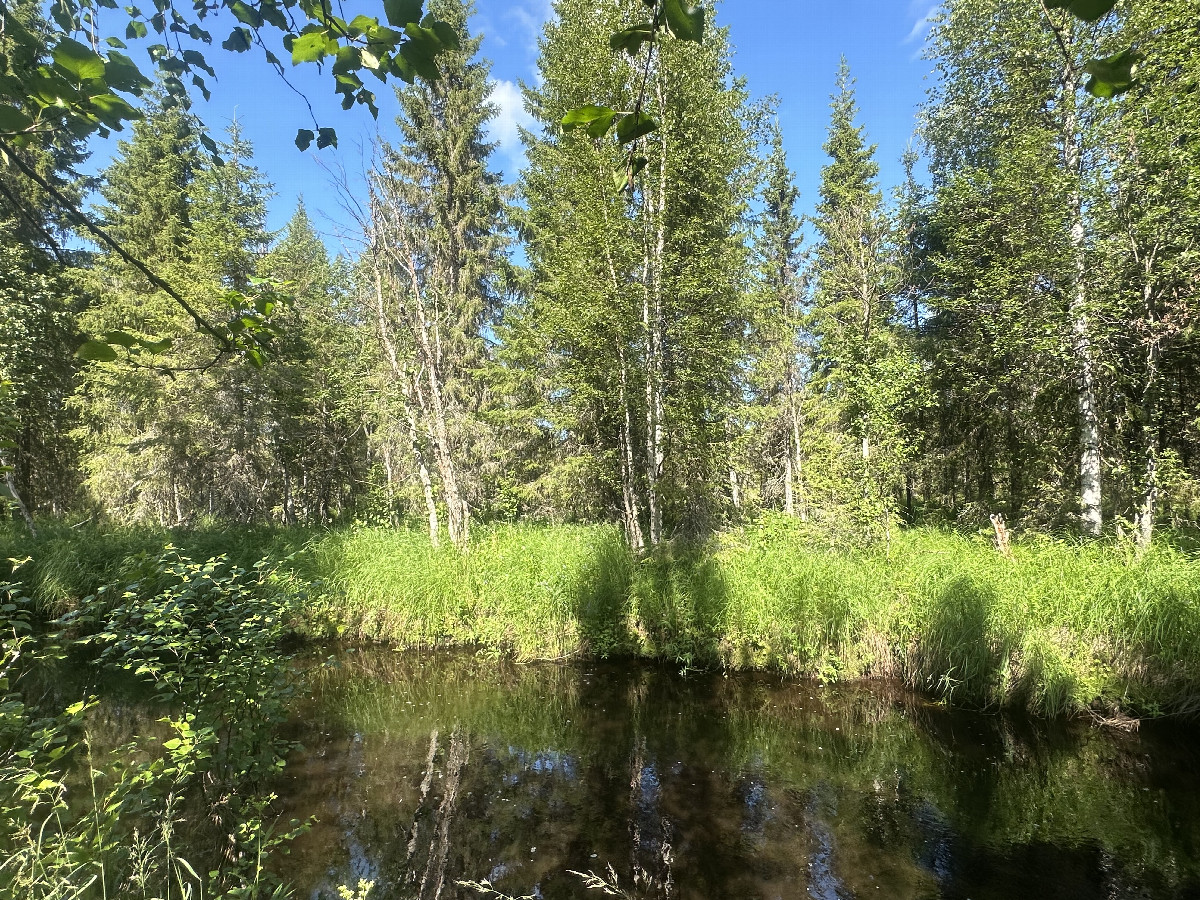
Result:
pixel 788 48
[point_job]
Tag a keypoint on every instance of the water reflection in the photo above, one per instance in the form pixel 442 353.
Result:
pixel 424 771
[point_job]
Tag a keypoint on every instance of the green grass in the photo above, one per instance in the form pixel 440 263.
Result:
pixel 67 563
pixel 1062 627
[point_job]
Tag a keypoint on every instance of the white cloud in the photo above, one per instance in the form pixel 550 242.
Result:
pixel 924 13
pixel 504 129
pixel 527 19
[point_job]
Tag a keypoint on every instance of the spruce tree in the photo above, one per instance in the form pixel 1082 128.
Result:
pixel 782 357
pixel 182 437
pixel 868 376
pixel 640 305
pixel 314 388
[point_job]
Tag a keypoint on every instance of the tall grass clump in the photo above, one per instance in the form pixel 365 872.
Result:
pixel 539 592
pixel 67 563
pixel 1060 626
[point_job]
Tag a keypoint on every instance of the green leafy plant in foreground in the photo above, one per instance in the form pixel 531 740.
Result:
pixel 205 638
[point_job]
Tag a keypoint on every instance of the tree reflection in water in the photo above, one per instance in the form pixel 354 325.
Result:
pixel 709 786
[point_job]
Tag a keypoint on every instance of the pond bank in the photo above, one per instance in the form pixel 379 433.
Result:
pixel 1061 627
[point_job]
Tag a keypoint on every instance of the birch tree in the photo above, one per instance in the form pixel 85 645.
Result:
pixel 639 301
pixel 434 250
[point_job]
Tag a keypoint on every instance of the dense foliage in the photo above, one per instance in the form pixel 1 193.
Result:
pixel 649 419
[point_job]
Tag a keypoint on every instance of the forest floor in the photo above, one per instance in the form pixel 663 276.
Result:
pixel 1060 626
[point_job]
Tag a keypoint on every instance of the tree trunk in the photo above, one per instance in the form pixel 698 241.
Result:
pixel 652 320
pixel 631 505
pixel 789 499
pixel 1149 415
pixel 431 509
pixel 1091 517
pixel 797 465
pixel 289 504
pixel 458 519
pixel 11 484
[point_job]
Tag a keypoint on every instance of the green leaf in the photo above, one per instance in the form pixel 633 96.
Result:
pixel 446 34
pixel 116 42
pixel 634 126
pixel 309 47
pixel 401 12
pixel 631 39
pixel 119 337
pixel 96 351
pixel 419 54
pixel 135 30
pixel 157 347
pixel 348 59
pixel 1112 75
pixel 13 120
pixel 238 41
pixel 326 137
pixel 1088 10
pixel 304 138
pixel 274 15
pixel 246 14
pixel 685 22
pixel 122 74
pixel 82 62
pixel 596 119
pixel 196 58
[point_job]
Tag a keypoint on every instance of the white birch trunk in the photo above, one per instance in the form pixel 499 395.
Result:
pixel 401 375
pixel 631 505
pixel 1090 495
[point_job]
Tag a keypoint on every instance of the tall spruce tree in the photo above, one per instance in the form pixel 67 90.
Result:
pixel 781 363
pixel 135 444
pixel 314 384
pixel 184 436
pixel 865 368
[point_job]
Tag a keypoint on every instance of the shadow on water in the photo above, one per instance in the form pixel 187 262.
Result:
pixel 424 771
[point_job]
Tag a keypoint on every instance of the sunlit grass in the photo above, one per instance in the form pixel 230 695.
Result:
pixel 1062 626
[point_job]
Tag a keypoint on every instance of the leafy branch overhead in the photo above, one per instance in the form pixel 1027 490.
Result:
pixel 87 85
pixel 1111 75
pixel 668 17
pixel 65 77
pixel 1107 77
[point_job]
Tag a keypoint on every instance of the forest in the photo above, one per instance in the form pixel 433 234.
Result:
pixel 628 404
pixel 1013 335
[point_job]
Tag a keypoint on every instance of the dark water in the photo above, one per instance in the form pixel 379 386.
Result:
pixel 424 771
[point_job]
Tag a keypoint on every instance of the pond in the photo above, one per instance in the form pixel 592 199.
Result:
pixel 425 771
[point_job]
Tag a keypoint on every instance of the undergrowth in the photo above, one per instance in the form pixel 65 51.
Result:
pixel 204 645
